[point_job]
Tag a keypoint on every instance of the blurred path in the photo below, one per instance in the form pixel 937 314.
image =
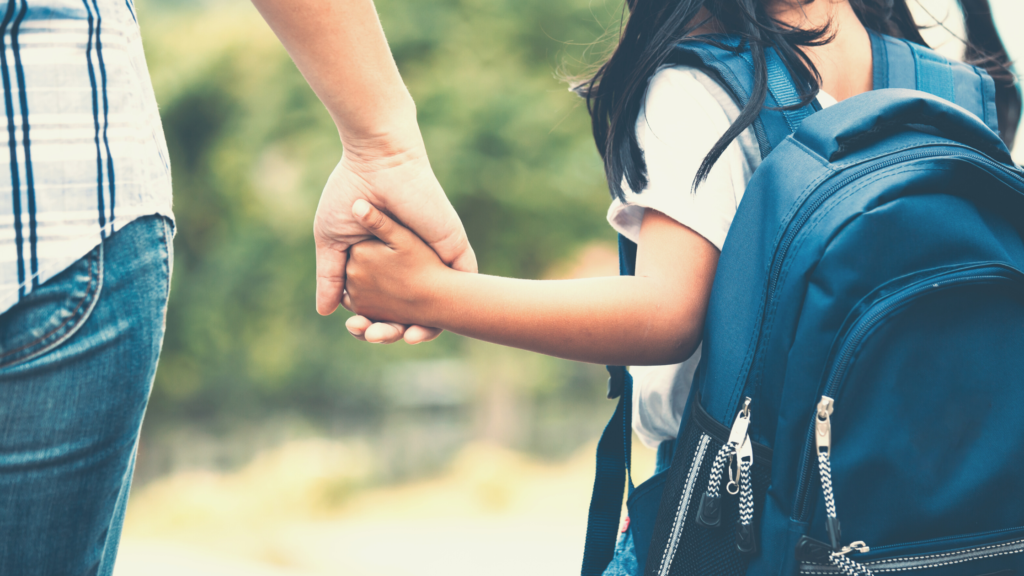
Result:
pixel 162 558
pixel 498 547
pixel 494 511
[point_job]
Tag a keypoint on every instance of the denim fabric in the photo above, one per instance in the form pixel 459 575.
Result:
pixel 77 361
pixel 624 562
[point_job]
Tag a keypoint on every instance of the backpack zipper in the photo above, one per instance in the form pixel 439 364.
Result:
pixel 813 564
pixel 669 555
pixel 805 212
pixel 710 511
pixel 835 553
pixel 863 326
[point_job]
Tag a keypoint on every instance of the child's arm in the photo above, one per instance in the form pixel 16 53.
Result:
pixel 655 317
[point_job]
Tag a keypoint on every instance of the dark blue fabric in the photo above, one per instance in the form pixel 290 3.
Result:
pixel 613 463
pixel 875 115
pixel 614 456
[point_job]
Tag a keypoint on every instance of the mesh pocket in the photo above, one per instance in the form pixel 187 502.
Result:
pixel 683 547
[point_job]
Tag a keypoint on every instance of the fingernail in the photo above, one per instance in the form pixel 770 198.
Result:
pixel 361 208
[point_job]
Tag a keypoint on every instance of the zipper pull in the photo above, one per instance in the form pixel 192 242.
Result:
pixel 746 539
pixel 859 547
pixel 823 441
pixel 845 565
pixel 710 511
pixel 823 426
pixel 740 425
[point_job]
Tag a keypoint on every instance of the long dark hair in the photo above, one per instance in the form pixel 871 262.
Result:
pixel 615 93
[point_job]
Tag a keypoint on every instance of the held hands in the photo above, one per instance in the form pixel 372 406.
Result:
pixel 395 277
pixel 398 179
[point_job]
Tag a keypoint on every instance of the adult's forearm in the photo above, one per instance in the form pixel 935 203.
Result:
pixel 340 48
pixel 615 320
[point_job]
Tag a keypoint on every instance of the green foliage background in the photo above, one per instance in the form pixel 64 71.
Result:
pixel 251 147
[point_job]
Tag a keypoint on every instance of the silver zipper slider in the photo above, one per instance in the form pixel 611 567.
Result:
pixel 737 437
pixel 823 426
pixel 740 425
pixel 840 560
pixel 859 547
pixel 823 440
pixel 710 511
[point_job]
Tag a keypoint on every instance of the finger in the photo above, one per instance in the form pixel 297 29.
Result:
pixel 466 261
pixel 378 224
pixel 419 334
pixel 384 333
pixel 330 278
pixel 357 325
pixel 346 301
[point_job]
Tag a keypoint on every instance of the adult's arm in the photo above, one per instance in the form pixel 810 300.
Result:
pixel 340 48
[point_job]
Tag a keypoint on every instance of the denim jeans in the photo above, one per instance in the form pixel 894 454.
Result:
pixel 624 562
pixel 77 361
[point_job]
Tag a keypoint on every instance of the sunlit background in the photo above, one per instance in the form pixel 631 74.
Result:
pixel 275 444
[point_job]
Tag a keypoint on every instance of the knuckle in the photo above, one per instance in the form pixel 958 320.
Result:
pixel 378 220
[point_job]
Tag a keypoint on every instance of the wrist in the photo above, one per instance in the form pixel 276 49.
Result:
pixel 395 135
pixel 437 302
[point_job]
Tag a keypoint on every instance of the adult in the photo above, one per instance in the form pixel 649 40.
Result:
pixel 86 253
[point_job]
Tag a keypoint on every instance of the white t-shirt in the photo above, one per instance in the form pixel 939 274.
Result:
pixel 685 112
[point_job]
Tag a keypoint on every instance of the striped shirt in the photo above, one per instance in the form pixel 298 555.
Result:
pixel 82 150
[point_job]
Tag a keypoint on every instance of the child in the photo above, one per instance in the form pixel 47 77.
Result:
pixel 678 154
pixel 660 130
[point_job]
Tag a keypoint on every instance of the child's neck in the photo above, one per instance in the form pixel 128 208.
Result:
pixel 845 63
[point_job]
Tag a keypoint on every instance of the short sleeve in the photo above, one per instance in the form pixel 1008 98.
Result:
pixel 678 125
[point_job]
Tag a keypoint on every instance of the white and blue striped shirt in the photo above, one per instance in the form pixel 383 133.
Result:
pixel 82 150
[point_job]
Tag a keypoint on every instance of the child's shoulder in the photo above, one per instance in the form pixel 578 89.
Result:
pixel 689 90
pixel 686 107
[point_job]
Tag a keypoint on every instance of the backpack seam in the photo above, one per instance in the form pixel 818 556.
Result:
pixel 748 360
pixel 769 321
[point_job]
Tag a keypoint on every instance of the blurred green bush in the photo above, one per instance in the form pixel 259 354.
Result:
pixel 251 147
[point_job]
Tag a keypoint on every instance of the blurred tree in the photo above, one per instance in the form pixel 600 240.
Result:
pixel 251 147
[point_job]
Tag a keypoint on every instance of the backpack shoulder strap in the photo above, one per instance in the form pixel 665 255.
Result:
pixel 904 64
pixel 613 456
pixel 733 68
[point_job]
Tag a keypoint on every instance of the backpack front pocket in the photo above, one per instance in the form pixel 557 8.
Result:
pixel 905 445
pixel 684 544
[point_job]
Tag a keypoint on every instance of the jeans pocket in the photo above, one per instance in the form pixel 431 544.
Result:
pixel 52 313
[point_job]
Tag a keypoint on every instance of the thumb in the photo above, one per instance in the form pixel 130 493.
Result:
pixel 378 224
pixel 330 277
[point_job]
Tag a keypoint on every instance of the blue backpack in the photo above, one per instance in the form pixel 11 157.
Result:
pixel 859 405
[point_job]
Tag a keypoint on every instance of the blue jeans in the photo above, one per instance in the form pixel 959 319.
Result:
pixel 624 562
pixel 77 361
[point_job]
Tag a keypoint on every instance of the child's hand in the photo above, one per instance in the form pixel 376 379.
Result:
pixel 392 278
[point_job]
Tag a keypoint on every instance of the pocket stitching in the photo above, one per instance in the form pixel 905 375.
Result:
pixel 92 293
pixel 880 565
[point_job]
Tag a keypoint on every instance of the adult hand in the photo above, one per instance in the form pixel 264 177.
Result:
pixel 340 48
pixel 395 276
pixel 398 180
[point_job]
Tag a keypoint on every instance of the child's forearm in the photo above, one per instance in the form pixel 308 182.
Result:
pixel 655 317
pixel 626 320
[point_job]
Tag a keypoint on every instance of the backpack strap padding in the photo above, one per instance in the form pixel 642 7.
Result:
pixel 904 64
pixel 834 132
